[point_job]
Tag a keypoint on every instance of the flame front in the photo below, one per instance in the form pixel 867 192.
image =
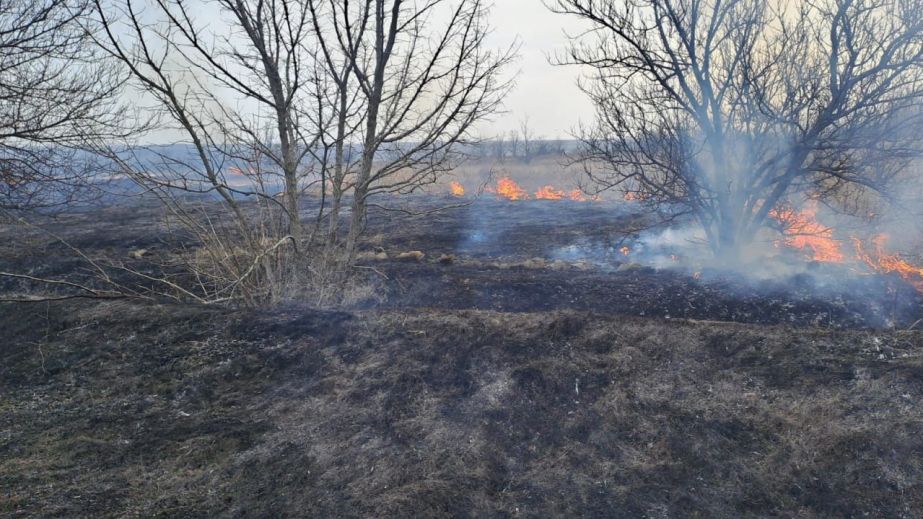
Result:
pixel 633 196
pixel 886 263
pixel 549 193
pixel 804 232
pixel 509 189
pixel 577 196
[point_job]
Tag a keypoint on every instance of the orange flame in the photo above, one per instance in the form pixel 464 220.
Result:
pixel 804 232
pixel 625 250
pixel 883 262
pixel 457 189
pixel 549 193
pixel 633 196
pixel 577 196
pixel 509 189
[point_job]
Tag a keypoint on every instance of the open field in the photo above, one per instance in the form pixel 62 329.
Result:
pixel 522 368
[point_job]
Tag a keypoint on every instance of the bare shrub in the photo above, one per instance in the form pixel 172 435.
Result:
pixel 423 81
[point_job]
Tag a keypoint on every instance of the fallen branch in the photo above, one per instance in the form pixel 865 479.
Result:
pixel 88 293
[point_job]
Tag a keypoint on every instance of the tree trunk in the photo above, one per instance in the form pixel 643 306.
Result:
pixel 339 172
pixel 291 203
pixel 363 181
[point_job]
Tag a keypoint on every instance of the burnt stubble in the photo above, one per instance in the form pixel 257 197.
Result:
pixel 505 382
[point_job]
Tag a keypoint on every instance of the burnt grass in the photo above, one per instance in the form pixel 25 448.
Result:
pixel 494 385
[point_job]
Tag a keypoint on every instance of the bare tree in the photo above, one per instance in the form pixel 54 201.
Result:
pixel 499 146
pixel 529 142
pixel 56 94
pixel 240 89
pixel 335 56
pixel 515 142
pixel 282 103
pixel 426 77
pixel 728 109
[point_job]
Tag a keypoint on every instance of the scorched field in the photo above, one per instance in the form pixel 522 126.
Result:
pixel 511 359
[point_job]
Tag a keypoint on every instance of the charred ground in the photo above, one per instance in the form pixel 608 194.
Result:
pixel 554 255
pixel 503 382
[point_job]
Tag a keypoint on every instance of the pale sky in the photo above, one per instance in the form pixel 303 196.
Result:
pixel 547 94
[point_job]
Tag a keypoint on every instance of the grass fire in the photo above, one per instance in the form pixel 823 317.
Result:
pixel 804 232
pixel 454 258
pixel 506 188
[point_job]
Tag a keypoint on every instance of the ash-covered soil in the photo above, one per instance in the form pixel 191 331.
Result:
pixel 121 409
pixel 502 375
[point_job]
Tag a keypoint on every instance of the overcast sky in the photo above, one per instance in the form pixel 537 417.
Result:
pixel 547 94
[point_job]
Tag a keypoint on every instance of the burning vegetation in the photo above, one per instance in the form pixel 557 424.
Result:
pixel 800 230
pixel 549 193
pixel 508 189
pixel 694 122
pixel 803 231
pixel 884 262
